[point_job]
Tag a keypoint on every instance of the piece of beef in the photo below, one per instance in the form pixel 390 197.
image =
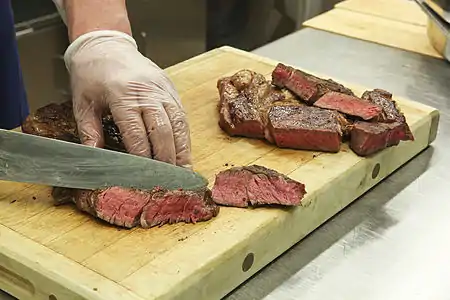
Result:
pixel 58 122
pixel 391 112
pixel 245 99
pixel 349 105
pixel 116 205
pixel 254 186
pixel 368 137
pixel 306 128
pixel 178 206
pixel 54 121
pixel 128 207
pixel 306 86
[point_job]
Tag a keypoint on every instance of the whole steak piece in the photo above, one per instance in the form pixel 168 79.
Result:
pixel 367 138
pixel 306 128
pixel 58 122
pixel 255 186
pixel 118 205
pixel 245 98
pixel 306 86
pixel 349 105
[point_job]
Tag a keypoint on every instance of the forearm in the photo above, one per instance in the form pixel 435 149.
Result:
pixel 90 15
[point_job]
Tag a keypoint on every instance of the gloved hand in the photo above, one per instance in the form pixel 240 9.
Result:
pixel 108 73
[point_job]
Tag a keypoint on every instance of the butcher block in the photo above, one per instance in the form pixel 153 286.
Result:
pixel 57 252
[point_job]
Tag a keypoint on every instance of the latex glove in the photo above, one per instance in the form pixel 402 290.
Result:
pixel 108 73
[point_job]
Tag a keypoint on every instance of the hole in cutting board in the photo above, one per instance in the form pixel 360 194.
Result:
pixel 52 297
pixel 375 171
pixel 248 262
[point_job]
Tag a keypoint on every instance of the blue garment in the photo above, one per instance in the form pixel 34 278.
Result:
pixel 13 100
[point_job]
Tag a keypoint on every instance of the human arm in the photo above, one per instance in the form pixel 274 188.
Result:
pixel 83 16
pixel 109 73
pixel 13 101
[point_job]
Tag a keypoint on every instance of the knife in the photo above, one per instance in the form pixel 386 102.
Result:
pixel 40 160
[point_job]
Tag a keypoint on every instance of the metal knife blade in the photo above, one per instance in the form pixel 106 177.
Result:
pixel 39 160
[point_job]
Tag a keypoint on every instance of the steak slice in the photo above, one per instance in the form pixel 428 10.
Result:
pixel 306 86
pixel 391 112
pixel 245 99
pixel 349 105
pixel 306 128
pixel 178 206
pixel 255 186
pixel 128 207
pixel 367 137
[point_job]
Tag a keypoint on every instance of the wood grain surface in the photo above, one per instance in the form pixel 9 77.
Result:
pixel 61 253
pixel 404 11
pixel 370 23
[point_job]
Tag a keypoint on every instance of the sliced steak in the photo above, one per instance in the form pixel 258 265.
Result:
pixel 168 207
pixel 391 112
pixel 349 105
pixel 368 137
pixel 129 207
pixel 254 186
pixel 116 205
pixel 245 98
pixel 306 86
pixel 306 128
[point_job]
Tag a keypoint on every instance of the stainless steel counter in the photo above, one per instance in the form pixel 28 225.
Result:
pixel 394 242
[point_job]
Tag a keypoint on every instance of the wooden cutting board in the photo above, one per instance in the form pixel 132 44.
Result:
pixel 49 252
pixel 370 21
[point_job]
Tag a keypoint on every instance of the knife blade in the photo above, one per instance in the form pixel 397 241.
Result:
pixel 33 159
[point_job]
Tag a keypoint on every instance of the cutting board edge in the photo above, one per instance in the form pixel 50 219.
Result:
pixel 29 270
pixel 218 272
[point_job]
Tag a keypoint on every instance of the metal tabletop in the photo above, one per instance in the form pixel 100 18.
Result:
pixel 394 242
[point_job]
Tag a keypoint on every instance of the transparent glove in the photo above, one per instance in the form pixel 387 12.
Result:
pixel 109 74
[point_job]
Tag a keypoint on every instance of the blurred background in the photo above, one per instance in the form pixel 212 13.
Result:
pixel 167 31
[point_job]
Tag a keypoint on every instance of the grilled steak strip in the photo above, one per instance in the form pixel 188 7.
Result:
pixel 306 86
pixel 349 105
pixel 255 186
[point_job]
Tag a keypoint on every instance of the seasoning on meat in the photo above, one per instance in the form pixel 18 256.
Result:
pixel 245 98
pixel 306 127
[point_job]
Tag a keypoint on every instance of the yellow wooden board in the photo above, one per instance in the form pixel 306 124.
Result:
pixel 375 29
pixel 59 251
pixel 398 10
